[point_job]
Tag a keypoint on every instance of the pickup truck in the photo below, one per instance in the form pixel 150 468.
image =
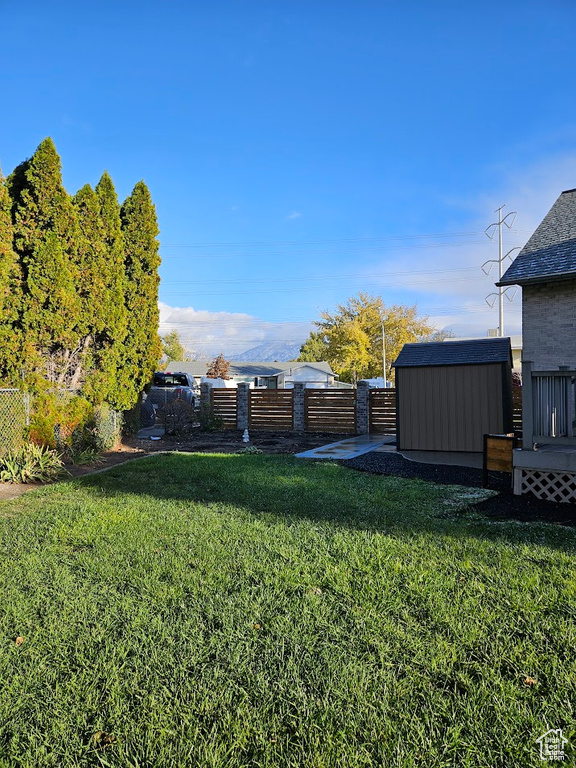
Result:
pixel 166 386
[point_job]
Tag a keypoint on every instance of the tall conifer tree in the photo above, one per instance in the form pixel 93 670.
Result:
pixel 45 233
pixel 91 262
pixel 143 346
pixel 11 340
pixel 111 355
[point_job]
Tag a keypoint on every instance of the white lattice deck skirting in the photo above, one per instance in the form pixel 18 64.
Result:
pixel 544 484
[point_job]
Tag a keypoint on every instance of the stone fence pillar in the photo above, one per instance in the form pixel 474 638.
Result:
pixel 205 397
pixel 242 405
pixel 299 407
pixel 362 408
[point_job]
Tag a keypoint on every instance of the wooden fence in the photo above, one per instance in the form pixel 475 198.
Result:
pixel 382 411
pixel 324 410
pixel 330 410
pixel 224 404
pixel 270 409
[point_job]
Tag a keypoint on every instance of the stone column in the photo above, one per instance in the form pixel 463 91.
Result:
pixel 298 407
pixel 362 408
pixel 242 405
pixel 205 404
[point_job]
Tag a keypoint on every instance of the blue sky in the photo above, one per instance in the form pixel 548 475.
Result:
pixel 301 151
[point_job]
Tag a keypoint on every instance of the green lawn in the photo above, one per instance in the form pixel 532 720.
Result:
pixel 221 610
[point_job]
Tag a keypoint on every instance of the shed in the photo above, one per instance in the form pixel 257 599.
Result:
pixel 451 393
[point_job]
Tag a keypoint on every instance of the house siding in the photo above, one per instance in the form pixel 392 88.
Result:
pixel 549 324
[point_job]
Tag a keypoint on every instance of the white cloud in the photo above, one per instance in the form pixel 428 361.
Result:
pixel 294 215
pixel 209 333
pixel 444 276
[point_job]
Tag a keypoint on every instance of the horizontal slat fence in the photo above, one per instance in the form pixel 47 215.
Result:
pixel 224 403
pixel 383 411
pixel 270 409
pixel 517 411
pixel 330 410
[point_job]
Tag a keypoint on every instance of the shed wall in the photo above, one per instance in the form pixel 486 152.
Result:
pixel 449 408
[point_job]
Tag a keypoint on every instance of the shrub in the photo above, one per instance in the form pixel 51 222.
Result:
pixel 250 450
pixel 55 417
pixel 31 464
pixel 209 420
pixel 177 416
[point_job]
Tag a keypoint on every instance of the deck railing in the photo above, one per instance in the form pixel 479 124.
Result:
pixel 549 409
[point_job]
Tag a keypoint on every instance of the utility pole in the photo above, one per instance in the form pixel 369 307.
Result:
pixel 384 352
pixel 489 232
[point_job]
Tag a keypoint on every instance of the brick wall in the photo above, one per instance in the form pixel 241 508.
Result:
pixel 549 324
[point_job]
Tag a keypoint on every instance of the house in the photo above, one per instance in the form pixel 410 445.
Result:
pixel 449 394
pixel 515 343
pixel 546 270
pixel 277 375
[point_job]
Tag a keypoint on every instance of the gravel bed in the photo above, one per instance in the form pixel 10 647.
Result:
pixel 504 506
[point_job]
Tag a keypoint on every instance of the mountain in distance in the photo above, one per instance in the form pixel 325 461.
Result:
pixel 270 352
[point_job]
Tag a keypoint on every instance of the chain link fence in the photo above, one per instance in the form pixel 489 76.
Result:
pixel 67 425
pixel 102 426
pixel 14 419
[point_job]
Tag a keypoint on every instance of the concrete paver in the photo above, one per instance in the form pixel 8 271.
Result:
pixel 347 449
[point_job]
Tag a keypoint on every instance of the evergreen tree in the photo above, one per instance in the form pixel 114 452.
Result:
pixel 11 340
pixel 45 233
pixel 111 354
pixel 143 347
pixel 90 257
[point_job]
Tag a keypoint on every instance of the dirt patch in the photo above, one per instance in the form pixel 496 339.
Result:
pixel 230 441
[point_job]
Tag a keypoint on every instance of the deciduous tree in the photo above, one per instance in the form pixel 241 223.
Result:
pixel 218 368
pixel 172 348
pixel 353 335
pixel 314 349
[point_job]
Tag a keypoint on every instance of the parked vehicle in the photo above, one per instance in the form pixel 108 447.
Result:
pixel 166 386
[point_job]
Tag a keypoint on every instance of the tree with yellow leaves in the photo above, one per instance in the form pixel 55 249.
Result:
pixel 352 335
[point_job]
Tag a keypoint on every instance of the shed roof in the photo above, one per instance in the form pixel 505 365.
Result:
pixel 550 254
pixel 465 352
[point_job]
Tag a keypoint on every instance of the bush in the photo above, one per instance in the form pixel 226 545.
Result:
pixel 73 426
pixel 209 420
pixel 55 417
pixel 31 464
pixel 177 416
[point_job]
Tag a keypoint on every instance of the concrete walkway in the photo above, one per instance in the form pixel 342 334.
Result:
pixel 349 448
pixel 148 433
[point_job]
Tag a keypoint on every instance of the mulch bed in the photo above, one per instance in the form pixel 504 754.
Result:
pixel 504 506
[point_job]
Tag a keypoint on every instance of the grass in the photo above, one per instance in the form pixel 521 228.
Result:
pixel 217 610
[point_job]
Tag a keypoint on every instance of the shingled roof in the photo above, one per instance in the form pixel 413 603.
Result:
pixel 550 254
pixel 467 352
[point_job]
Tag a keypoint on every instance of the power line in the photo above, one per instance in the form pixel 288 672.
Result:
pixel 262 243
pixel 238 281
